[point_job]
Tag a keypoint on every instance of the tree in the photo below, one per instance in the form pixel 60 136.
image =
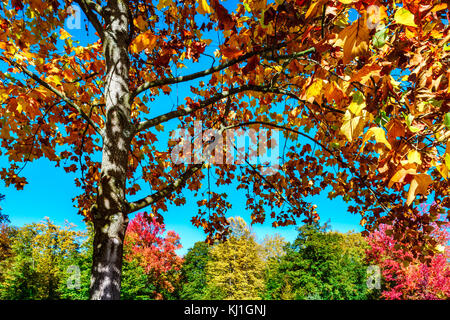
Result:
pixel 150 252
pixel 236 270
pixel 273 249
pixel 366 92
pixel 194 272
pixel 320 264
pixel 41 253
pixel 406 277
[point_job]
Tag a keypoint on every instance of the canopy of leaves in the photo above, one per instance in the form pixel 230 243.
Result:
pixel 194 272
pixel 370 95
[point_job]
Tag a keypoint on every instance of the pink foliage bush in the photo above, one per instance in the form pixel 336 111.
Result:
pixel 406 277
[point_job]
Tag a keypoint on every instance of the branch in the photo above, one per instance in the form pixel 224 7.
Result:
pixel 58 93
pixel 268 124
pixel 186 111
pixel 167 81
pixel 144 125
pixel 90 8
pixel 332 153
pixel 155 197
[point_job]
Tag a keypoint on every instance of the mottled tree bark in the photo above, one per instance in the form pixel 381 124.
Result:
pixel 110 214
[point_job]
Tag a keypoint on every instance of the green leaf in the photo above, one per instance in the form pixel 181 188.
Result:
pixel 447 120
pixel 380 38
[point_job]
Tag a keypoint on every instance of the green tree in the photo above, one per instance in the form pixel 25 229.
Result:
pixel 236 267
pixel 41 253
pixel 273 249
pixel 320 264
pixel 194 272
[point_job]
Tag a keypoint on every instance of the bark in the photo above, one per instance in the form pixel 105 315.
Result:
pixel 110 214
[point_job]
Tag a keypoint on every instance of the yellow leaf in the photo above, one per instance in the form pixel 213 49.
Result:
pixel 314 91
pixel 447 160
pixel 314 9
pixel 438 7
pixel 163 3
pixel 400 175
pixel 414 157
pixel 443 170
pixel 419 185
pixel 358 103
pixel 203 7
pixel 54 80
pixel 64 34
pixel 380 137
pixel 353 125
pixel 405 17
pixel 354 39
pixel 159 127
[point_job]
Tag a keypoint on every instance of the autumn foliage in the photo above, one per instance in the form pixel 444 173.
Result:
pixel 148 243
pixel 407 277
pixel 358 88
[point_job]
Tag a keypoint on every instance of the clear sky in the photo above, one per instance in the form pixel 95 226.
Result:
pixel 50 192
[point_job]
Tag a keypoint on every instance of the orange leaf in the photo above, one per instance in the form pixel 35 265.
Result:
pixel 146 40
pixel 232 53
pixel 419 185
pixel 354 39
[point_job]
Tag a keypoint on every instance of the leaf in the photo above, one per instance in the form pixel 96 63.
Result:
pixel 314 91
pixel 146 40
pixel 405 17
pixel 414 157
pixel 314 9
pixel 380 38
pixel 447 120
pixel 353 125
pixel 419 185
pixel 231 53
pixel 400 175
pixel 395 129
pixel 163 3
pixel 354 39
pixel 140 23
pixel 64 34
pixel 203 7
pixel 380 137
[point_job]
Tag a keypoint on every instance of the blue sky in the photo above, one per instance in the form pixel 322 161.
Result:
pixel 50 189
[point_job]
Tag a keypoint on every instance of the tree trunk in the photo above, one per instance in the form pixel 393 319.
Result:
pixel 111 214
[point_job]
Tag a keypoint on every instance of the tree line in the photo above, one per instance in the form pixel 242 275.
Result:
pixel 46 261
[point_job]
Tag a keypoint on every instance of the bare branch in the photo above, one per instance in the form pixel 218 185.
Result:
pixel 203 104
pixel 268 124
